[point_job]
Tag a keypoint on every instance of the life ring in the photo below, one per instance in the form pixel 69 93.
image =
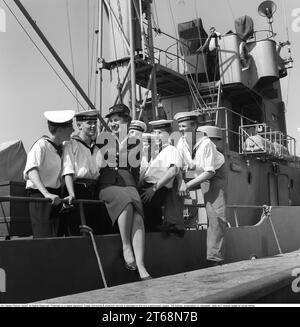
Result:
pixel 245 57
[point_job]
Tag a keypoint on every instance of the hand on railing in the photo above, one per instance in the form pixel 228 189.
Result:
pixel 69 199
pixel 55 199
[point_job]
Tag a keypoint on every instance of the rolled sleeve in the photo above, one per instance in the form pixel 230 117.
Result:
pixel 174 158
pixel 35 158
pixel 68 160
pixel 208 158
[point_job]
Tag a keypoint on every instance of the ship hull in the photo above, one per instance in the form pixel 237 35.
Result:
pixel 45 268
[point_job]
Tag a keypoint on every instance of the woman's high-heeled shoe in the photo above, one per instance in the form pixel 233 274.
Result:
pixel 145 278
pixel 130 265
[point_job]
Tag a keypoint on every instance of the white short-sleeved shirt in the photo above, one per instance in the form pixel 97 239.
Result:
pixel 44 157
pixel 159 165
pixel 207 157
pixel 79 161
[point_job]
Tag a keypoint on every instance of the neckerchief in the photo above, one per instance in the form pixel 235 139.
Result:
pixel 80 140
pixel 58 148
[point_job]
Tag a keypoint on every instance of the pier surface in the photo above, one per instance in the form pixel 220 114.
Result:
pixel 248 281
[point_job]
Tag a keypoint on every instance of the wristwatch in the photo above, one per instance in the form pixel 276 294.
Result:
pixel 154 188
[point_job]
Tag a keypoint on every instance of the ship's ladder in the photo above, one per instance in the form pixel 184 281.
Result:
pixel 211 103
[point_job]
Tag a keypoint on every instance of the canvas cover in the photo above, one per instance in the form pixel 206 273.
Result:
pixel 12 161
pixel 244 27
pixel 192 35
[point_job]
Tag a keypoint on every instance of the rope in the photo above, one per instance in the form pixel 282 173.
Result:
pixel 114 42
pixel 285 20
pixel 155 20
pixel 98 259
pixel 71 46
pixel 40 51
pixel 231 10
pixel 289 49
pixel 267 213
pixel 88 46
pixel 97 45
pixel 93 62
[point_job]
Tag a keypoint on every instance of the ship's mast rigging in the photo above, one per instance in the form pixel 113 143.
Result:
pixel 56 57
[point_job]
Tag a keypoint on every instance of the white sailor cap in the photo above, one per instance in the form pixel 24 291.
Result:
pixel 161 124
pixel 137 125
pixel 187 115
pixel 87 115
pixel 211 131
pixel 60 118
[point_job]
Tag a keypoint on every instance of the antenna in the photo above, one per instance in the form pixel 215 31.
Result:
pixel 267 9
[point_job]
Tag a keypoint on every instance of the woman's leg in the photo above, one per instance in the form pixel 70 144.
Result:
pixel 138 243
pixel 125 222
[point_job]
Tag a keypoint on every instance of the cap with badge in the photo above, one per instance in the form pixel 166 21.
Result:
pixel 161 124
pixel 87 115
pixel 120 109
pixel 60 118
pixel 137 125
pixel 187 115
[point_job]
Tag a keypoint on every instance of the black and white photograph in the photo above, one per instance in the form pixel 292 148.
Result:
pixel 149 156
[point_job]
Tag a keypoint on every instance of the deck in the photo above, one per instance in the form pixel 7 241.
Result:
pixel 251 281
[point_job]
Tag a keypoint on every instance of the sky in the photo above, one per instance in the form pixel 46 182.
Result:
pixel 28 86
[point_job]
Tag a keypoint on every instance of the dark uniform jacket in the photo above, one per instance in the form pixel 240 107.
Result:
pixel 117 172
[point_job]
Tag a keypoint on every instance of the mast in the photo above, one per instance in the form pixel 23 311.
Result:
pixel 152 59
pixel 132 62
pixel 58 59
pixel 100 52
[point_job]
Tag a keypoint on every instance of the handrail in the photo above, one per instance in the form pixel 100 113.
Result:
pixel 244 206
pixel 9 198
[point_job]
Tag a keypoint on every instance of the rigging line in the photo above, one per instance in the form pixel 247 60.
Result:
pixel 121 20
pixel 136 9
pixel 231 10
pixel 285 20
pixel 92 63
pixel 88 46
pixel 287 91
pixel 114 42
pixel 40 51
pixel 71 46
pixel 97 45
pixel 155 12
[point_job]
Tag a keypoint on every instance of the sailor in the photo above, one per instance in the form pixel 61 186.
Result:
pixel 82 161
pixel 200 155
pixel 147 154
pixel 210 48
pixel 43 173
pixel 118 182
pixel 159 186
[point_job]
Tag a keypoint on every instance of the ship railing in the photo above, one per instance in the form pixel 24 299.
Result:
pixel 172 60
pixel 80 202
pixel 260 139
pixel 254 139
